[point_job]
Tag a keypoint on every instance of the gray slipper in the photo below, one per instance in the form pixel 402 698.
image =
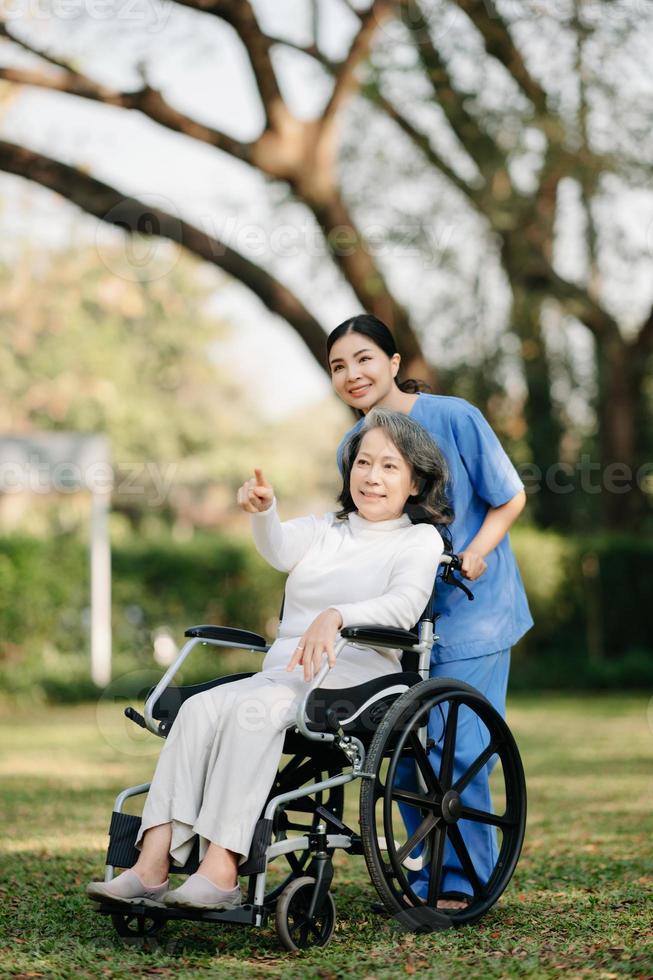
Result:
pixel 127 888
pixel 200 893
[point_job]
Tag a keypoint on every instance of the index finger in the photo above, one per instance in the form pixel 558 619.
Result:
pixel 260 479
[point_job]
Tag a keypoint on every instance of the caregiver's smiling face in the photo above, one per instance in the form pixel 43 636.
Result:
pixel 381 480
pixel 361 373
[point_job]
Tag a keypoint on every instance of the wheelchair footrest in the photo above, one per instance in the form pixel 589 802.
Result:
pixel 123 831
pixel 255 862
pixel 122 853
pixel 246 914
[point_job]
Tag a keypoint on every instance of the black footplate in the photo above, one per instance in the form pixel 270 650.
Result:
pixel 121 852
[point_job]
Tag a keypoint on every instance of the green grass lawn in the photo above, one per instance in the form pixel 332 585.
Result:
pixel 580 904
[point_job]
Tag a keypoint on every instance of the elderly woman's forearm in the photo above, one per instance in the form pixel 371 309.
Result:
pixel 282 544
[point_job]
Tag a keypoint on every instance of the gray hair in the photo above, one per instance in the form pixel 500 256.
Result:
pixel 429 468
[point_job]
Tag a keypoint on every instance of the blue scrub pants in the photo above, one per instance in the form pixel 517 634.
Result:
pixel 489 674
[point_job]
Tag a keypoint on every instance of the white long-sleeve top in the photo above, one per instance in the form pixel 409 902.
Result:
pixel 377 573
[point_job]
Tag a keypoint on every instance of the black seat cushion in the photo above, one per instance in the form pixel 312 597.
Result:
pixel 357 710
pixel 167 706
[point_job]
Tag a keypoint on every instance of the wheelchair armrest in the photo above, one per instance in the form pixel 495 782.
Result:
pixel 221 636
pixel 227 634
pixel 381 636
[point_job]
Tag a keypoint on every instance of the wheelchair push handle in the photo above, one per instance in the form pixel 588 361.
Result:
pixel 453 563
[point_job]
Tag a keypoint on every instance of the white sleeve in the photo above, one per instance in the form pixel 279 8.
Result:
pixel 408 591
pixel 283 545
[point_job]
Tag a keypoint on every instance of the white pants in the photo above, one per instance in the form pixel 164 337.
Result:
pixel 219 761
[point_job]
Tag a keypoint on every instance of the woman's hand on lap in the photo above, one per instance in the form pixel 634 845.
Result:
pixel 255 495
pixel 319 638
pixel 473 565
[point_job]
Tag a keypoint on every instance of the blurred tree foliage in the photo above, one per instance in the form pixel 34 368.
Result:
pixel 528 124
pixel 91 350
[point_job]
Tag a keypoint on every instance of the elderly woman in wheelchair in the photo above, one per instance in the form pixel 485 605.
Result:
pixel 334 695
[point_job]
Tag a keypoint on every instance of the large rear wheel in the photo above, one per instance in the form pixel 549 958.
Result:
pixel 447 803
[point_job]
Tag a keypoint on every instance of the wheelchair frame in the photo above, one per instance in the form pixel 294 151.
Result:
pixel 139 923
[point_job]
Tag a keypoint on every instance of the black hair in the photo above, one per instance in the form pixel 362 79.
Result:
pixel 370 326
pixel 430 505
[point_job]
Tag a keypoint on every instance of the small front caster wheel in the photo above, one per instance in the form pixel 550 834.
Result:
pixel 294 928
pixel 138 929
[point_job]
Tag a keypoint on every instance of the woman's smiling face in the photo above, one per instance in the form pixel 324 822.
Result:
pixel 381 480
pixel 361 373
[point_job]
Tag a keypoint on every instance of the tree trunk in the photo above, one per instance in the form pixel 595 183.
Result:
pixel 352 254
pixel 549 504
pixel 622 440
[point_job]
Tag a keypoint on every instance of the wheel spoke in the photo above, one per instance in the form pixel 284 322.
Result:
pixel 425 766
pixel 475 767
pixel 449 746
pixel 460 848
pixel 435 865
pixel 317 932
pixel 427 824
pixel 414 799
pixel 481 816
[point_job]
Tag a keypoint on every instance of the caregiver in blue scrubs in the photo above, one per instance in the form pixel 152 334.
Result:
pixel 487 496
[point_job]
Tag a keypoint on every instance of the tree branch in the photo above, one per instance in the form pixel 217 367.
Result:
pixel 146 100
pixel 423 143
pixel 132 215
pixel 28 47
pixel 499 44
pixel 353 255
pixel 310 50
pixel 575 300
pixel 240 15
pixel 478 144
pixel 344 73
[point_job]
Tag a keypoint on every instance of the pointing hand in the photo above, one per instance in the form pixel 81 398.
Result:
pixel 256 494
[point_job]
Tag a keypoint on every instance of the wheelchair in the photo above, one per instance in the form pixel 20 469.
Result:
pixel 368 733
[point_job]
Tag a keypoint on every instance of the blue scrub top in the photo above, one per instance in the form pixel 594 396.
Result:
pixel 481 476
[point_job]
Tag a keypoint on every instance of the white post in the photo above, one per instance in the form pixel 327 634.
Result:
pixel 100 590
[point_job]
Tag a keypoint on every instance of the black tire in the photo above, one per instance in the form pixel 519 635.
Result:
pixel 298 771
pixel 294 929
pixel 136 929
pixel 441 806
